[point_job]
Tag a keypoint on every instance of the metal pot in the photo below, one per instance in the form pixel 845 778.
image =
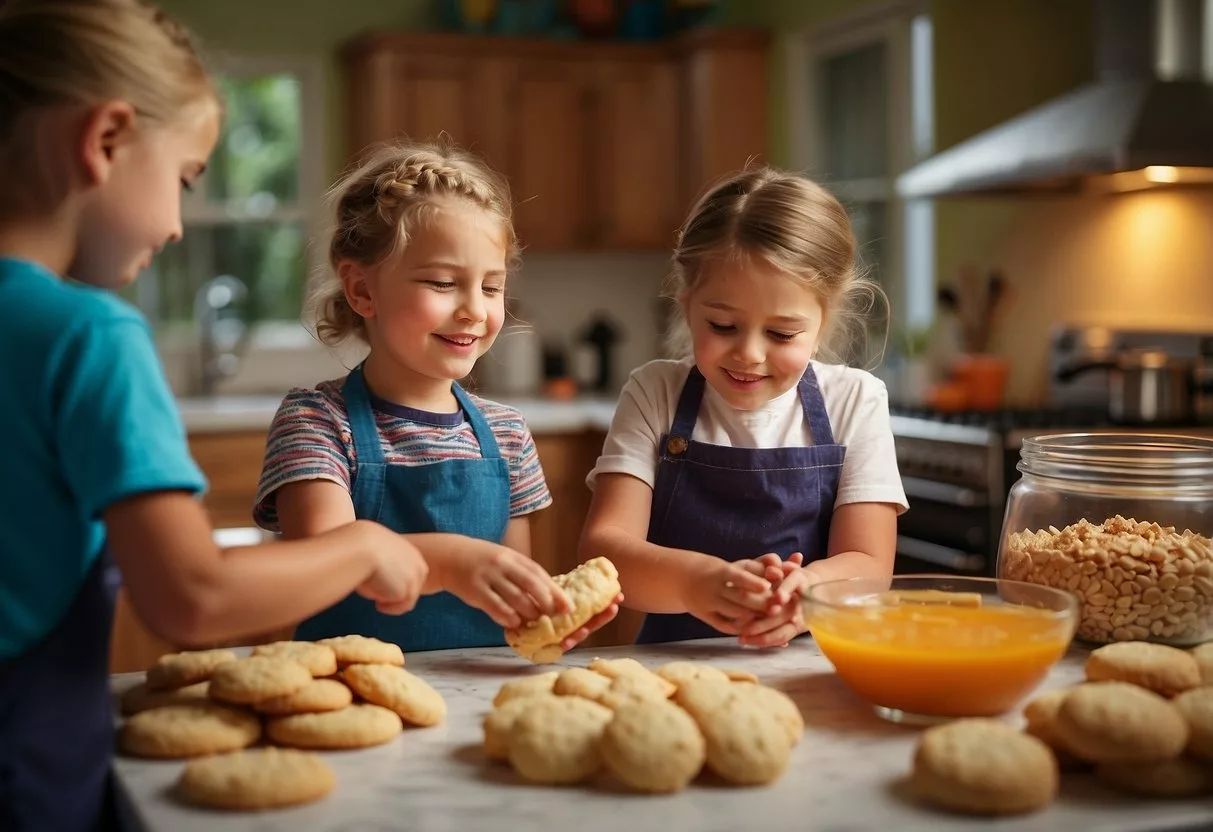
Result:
pixel 1145 387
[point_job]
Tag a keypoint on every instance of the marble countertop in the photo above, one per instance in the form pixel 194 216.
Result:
pixel 221 414
pixel 845 775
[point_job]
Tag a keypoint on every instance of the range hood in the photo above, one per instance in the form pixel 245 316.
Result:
pixel 1146 119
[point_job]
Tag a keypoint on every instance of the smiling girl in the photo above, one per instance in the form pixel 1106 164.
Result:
pixel 420 254
pixel 734 478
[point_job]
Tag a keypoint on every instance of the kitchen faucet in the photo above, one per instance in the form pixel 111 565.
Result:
pixel 221 337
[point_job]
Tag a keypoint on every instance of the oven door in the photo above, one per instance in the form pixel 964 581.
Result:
pixel 948 529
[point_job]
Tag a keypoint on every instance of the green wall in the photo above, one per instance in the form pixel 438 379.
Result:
pixel 314 28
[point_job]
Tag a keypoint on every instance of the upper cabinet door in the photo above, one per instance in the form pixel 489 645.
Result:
pixel 550 166
pixel 636 146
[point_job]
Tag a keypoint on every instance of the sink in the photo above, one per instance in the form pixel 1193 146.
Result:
pixel 220 413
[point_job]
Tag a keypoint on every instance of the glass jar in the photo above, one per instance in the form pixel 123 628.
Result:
pixel 1124 521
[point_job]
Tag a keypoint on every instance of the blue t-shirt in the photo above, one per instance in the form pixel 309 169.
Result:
pixel 88 420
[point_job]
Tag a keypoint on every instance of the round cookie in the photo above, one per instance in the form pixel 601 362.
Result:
pixel 256 678
pixel 139 698
pixel 653 746
pixel 500 721
pixel 629 667
pixel 740 675
pixel 745 744
pixel 358 726
pixel 355 649
pixel 630 688
pixel 577 681
pixel 526 686
pixel 176 731
pixel 1110 722
pixel 591 587
pixel 319 659
pixel 264 778
pixel 678 673
pixel 1041 717
pixel 1165 670
pixel 778 704
pixel 983 767
pixel 1203 654
pixel 316 696
pixel 1196 707
pixel 699 697
pixel 556 740
pixel 397 689
pixel 179 670
pixel 1181 777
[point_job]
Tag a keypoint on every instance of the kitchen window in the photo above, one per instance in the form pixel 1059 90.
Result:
pixel 861 110
pixel 252 216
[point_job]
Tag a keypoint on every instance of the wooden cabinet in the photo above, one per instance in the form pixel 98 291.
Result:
pixel 605 144
pixel 232 465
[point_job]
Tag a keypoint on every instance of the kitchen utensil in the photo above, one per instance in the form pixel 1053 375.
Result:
pixel 1146 386
pixel 928 648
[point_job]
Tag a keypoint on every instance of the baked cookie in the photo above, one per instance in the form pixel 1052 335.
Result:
pixel 316 696
pixel 746 745
pixel 1196 706
pixel 676 673
pixel 1041 717
pixel 139 698
pixel 357 726
pixel 699 697
pixel 526 686
pixel 1157 667
pixel 983 767
pixel 500 721
pixel 653 746
pixel 355 649
pixel 256 678
pixel 263 778
pixel 1181 777
pixel 1113 722
pixel 319 659
pixel 397 689
pixel 777 703
pixel 740 675
pixel 591 588
pixel 617 668
pixel 1203 655
pixel 176 731
pixel 178 670
pixel 577 681
pixel 556 740
pixel 624 690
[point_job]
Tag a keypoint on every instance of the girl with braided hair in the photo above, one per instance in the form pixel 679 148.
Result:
pixel 421 249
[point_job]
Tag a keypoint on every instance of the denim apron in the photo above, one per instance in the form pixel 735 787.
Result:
pixel 57 720
pixel 460 496
pixel 740 503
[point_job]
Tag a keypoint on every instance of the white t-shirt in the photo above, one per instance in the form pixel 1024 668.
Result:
pixel 856 402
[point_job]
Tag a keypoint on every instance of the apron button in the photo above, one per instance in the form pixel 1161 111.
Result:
pixel 676 446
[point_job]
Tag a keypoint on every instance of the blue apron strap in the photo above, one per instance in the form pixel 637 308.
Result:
pixel 687 412
pixel 815 408
pixel 367 491
pixel 480 425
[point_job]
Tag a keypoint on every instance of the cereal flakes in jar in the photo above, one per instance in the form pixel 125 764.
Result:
pixel 1123 521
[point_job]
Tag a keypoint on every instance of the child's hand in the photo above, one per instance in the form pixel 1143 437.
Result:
pixel 595 623
pixel 506 584
pixel 727 595
pixel 400 576
pixel 784 619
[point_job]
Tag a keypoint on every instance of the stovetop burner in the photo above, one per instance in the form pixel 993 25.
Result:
pixel 1012 419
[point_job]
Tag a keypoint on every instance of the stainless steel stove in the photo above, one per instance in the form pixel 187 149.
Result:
pixel 957 467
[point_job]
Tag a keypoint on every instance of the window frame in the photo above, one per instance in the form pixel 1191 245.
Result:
pixel 179 344
pixel 909 273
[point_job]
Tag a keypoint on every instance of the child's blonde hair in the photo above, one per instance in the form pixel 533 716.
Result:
pixel 377 206
pixel 790 222
pixel 84 52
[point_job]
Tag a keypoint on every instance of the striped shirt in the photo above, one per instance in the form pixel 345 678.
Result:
pixel 310 439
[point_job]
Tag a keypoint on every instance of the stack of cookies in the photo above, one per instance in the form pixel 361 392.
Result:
pixel 1142 721
pixel 339 693
pixel 652 731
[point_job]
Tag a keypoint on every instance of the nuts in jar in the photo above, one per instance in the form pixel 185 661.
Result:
pixel 1135 580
